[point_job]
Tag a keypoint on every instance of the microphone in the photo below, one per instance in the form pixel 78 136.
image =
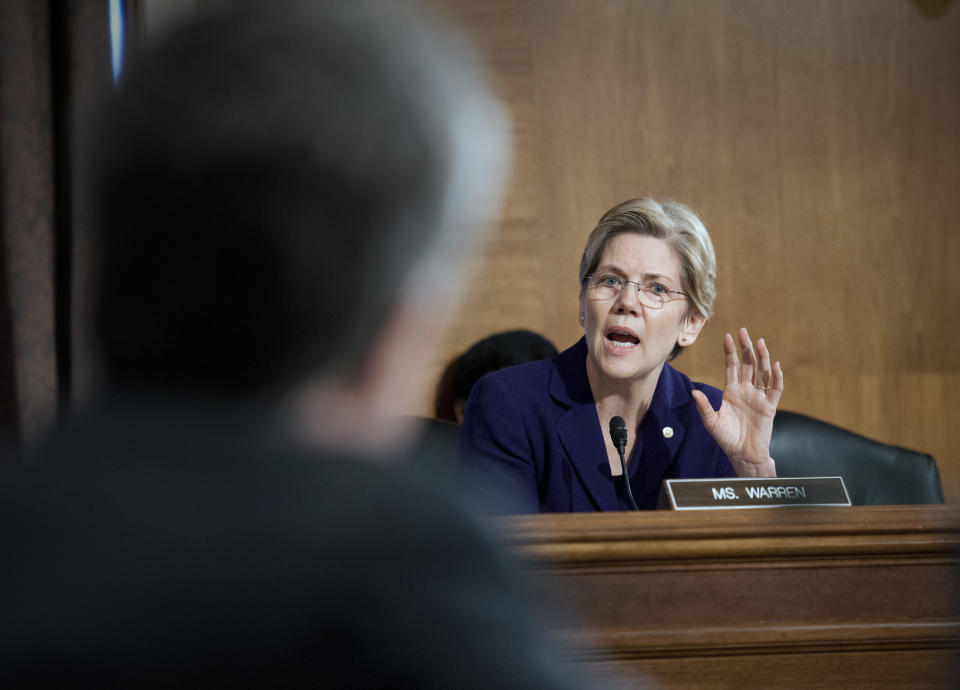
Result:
pixel 618 434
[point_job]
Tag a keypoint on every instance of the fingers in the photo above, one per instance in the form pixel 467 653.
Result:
pixel 769 378
pixel 746 367
pixel 748 363
pixel 776 387
pixel 732 362
pixel 707 413
pixel 764 374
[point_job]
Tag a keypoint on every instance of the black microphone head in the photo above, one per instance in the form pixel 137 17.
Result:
pixel 618 431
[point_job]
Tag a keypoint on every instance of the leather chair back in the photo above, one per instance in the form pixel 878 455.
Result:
pixel 874 473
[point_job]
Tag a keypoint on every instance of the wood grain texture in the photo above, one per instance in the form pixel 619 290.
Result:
pixel 805 597
pixel 818 140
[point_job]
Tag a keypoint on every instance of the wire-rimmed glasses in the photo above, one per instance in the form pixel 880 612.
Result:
pixel 652 294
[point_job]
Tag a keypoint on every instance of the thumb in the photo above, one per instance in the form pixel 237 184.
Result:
pixel 707 413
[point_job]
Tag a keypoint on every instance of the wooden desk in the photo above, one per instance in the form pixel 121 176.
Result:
pixel 795 597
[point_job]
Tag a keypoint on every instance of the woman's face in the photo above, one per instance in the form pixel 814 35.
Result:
pixel 627 340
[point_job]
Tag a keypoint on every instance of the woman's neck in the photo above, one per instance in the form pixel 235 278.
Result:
pixel 628 398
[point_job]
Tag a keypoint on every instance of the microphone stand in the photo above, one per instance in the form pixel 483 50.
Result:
pixel 626 479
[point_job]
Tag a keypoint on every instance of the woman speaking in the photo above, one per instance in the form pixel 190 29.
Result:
pixel 540 433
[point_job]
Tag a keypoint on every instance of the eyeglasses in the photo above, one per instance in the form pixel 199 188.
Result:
pixel 652 295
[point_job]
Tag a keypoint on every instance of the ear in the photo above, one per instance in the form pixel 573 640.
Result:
pixel 690 328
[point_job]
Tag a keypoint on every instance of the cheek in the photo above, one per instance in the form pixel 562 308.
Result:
pixel 672 328
pixel 593 316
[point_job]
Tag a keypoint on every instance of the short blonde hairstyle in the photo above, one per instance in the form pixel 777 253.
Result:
pixel 675 224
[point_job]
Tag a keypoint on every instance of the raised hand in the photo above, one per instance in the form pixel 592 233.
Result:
pixel 744 423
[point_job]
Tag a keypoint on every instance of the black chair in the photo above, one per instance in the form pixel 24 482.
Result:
pixel 438 441
pixel 874 473
pixel 434 448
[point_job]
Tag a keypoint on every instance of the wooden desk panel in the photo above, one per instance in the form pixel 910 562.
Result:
pixel 840 597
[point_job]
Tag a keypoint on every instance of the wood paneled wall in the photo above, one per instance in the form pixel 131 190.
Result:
pixel 820 141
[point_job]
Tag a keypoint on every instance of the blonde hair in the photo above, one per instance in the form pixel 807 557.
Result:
pixel 675 224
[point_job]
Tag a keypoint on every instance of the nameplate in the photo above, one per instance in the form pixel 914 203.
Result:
pixel 736 492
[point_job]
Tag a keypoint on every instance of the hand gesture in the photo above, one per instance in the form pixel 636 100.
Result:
pixel 744 423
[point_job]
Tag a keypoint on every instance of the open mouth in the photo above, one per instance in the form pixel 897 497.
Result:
pixel 621 338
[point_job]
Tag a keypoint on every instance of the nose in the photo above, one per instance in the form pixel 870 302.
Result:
pixel 628 301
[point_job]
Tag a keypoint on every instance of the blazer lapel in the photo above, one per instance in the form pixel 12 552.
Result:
pixel 663 432
pixel 579 427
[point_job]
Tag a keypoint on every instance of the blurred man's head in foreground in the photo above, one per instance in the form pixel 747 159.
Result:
pixel 284 191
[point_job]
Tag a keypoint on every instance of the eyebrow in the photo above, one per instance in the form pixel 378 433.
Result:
pixel 612 268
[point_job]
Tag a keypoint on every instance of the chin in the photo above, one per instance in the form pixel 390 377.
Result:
pixel 621 373
pixel 621 368
pixel 636 365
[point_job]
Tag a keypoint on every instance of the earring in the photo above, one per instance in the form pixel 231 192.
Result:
pixel 581 319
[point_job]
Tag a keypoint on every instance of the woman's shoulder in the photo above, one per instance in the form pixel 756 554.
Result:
pixel 563 375
pixel 503 399
pixel 519 378
pixel 682 382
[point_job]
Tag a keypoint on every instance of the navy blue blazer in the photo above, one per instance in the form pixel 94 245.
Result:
pixel 532 433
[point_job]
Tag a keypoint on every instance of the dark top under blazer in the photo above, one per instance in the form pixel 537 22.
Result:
pixel 532 433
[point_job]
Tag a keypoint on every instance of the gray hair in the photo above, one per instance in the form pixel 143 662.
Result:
pixel 678 226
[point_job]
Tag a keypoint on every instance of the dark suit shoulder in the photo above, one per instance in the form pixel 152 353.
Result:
pixel 188 557
pixel 521 379
pixel 682 382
